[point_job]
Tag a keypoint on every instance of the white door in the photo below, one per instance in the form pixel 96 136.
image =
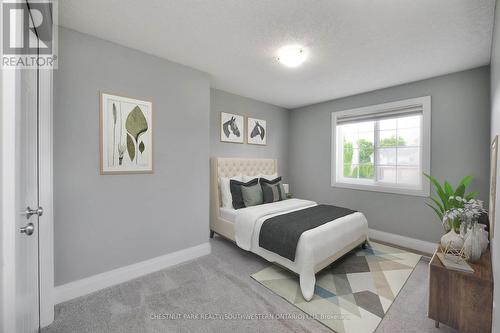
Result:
pixel 27 238
pixel 20 307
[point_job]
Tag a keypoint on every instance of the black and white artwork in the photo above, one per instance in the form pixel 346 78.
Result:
pixel 231 128
pixel 257 131
pixel 126 135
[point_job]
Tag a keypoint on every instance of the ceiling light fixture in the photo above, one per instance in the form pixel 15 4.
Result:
pixel 292 55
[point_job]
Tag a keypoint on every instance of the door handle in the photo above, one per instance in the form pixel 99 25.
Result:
pixel 29 229
pixel 29 212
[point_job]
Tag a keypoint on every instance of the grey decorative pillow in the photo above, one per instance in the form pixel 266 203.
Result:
pixel 236 194
pixel 272 192
pixel 252 195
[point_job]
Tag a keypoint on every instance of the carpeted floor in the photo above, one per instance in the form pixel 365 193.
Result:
pixel 219 285
pixel 354 293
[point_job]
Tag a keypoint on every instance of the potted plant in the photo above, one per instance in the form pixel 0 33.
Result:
pixel 444 202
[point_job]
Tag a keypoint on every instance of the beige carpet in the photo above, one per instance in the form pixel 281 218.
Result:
pixel 354 293
pixel 220 283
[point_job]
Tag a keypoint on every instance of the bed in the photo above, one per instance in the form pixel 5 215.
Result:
pixel 316 249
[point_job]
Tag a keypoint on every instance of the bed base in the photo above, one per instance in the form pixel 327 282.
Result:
pixel 229 167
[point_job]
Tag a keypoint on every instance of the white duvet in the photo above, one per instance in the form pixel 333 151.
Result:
pixel 314 246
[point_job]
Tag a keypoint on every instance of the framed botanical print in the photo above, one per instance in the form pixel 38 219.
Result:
pixel 256 131
pixel 231 128
pixel 493 183
pixel 126 129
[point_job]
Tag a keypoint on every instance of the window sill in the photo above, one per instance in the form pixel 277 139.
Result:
pixel 425 192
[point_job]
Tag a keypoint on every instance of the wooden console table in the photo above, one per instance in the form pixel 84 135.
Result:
pixel 463 301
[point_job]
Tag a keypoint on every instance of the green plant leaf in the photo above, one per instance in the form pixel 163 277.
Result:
pixel 471 195
pixel 439 205
pixel 439 214
pixel 466 181
pixel 434 182
pixel 439 190
pixel 136 123
pixel 444 199
pixel 460 192
pixel 141 147
pixel 448 189
pixel 130 147
pixel 445 192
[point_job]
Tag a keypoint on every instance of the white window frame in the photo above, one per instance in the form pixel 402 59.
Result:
pixel 425 158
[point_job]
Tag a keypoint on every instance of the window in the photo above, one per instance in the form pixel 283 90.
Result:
pixel 383 147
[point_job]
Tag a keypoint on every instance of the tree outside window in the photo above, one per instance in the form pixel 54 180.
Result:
pixel 364 168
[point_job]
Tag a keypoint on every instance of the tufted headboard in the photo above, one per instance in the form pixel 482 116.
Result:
pixel 229 167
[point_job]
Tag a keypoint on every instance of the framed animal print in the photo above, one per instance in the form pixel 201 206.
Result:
pixel 126 129
pixel 257 131
pixel 231 128
pixel 493 184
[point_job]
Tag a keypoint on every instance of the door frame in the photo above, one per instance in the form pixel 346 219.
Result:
pixel 10 98
pixel 46 195
pixel 8 208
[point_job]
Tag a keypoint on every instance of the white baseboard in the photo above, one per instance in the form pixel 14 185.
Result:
pixel 410 243
pixel 97 282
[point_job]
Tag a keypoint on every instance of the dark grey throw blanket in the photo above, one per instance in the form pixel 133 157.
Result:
pixel 280 234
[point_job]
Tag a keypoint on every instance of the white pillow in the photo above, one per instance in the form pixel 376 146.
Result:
pixel 225 190
pixel 249 178
pixel 268 177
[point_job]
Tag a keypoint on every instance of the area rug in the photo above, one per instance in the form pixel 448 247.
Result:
pixel 353 294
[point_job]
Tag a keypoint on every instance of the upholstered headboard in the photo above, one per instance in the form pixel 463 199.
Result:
pixel 230 167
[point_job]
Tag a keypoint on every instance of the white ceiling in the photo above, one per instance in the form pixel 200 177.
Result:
pixel 355 45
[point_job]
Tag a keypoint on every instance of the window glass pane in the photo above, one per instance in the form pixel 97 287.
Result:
pixel 366 170
pixel 386 156
pixel 348 171
pixel 354 158
pixel 386 174
pixel 359 171
pixel 408 156
pixel 409 175
pixel 366 136
pixel 366 126
pixel 365 148
pixel 409 122
pixel 349 128
pixel 387 124
pixel 387 138
pixel 389 157
pixel 409 137
pixel 351 140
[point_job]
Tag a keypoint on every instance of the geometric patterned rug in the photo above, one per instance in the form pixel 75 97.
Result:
pixel 354 293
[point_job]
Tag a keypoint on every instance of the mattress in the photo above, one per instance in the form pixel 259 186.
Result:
pixel 228 214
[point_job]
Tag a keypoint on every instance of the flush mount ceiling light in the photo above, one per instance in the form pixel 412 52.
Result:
pixel 292 55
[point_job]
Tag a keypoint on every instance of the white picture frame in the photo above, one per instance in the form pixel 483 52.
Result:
pixel 126 135
pixel 493 184
pixel 256 131
pixel 232 128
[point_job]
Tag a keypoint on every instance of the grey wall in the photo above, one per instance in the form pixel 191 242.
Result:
pixel 460 141
pixel 105 222
pixel 495 130
pixel 277 129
